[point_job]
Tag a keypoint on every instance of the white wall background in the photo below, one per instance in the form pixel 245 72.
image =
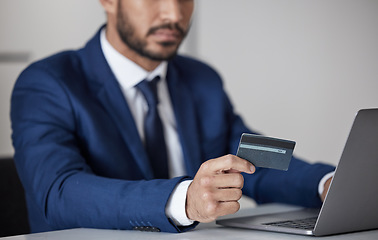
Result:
pixel 295 69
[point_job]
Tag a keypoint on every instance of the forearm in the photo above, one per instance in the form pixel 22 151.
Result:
pixel 81 199
pixel 299 185
pixel 86 200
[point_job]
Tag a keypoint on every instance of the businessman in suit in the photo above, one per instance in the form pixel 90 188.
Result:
pixel 126 134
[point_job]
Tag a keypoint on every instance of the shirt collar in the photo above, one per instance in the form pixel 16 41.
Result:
pixel 128 73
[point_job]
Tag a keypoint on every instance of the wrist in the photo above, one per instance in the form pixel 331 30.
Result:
pixel 323 181
pixel 176 205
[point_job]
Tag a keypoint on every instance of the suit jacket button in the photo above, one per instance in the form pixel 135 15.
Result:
pixel 147 229
pixel 154 229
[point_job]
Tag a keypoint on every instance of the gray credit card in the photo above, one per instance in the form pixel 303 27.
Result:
pixel 266 152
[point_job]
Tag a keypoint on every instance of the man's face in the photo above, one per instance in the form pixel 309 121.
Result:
pixel 154 28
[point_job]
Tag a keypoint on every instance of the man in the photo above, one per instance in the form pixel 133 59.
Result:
pixel 82 133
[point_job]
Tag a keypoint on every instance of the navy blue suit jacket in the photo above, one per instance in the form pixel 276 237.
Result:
pixel 81 160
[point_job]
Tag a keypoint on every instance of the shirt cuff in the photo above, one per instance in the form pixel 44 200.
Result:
pixel 176 206
pixel 323 181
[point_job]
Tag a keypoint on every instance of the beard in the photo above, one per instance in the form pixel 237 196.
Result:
pixel 127 34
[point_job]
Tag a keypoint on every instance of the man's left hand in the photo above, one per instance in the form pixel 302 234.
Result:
pixel 326 187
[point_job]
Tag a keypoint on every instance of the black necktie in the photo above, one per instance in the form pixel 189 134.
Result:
pixel 153 130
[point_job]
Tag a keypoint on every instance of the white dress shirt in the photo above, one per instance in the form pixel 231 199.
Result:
pixel 128 75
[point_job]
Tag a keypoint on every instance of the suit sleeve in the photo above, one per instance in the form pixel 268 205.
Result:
pixel 57 178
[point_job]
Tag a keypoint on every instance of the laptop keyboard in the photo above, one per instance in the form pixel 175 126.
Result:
pixel 306 224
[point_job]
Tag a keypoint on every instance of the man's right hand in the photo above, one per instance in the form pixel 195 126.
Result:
pixel 216 188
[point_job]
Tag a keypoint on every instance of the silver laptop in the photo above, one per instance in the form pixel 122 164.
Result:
pixel 352 200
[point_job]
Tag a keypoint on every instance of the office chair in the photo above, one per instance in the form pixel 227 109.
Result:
pixel 13 213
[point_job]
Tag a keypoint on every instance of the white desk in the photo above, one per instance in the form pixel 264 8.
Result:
pixel 207 231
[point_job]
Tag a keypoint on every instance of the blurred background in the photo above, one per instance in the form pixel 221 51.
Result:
pixel 293 69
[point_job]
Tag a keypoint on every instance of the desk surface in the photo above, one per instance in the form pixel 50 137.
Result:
pixel 206 231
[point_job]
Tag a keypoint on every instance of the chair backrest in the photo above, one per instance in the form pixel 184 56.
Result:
pixel 13 212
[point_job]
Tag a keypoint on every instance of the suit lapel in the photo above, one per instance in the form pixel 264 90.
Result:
pixel 112 98
pixel 184 109
pixel 107 90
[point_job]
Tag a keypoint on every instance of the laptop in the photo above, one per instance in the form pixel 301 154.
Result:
pixel 352 200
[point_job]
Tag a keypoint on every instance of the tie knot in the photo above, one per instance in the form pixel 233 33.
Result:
pixel 149 90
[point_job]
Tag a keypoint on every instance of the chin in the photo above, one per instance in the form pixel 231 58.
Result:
pixel 162 57
pixel 163 54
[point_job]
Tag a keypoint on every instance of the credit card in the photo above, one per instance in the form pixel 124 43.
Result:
pixel 266 152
